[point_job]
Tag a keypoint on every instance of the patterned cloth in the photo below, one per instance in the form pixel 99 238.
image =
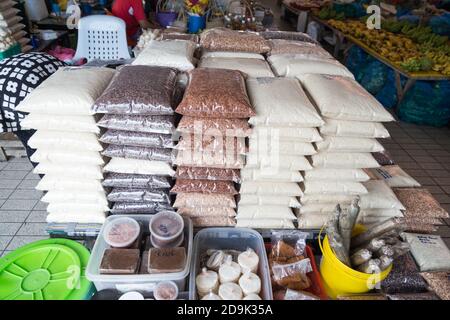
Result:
pixel 19 75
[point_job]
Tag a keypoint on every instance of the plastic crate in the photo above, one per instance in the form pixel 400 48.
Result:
pixel 144 283
pixel 317 287
pixel 12 51
pixel 230 238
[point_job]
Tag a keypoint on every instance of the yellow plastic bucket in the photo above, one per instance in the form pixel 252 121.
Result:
pixel 339 279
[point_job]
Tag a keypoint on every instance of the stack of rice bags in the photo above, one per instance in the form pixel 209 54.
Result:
pixel 235 50
pixel 211 149
pixel 352 124
pixel 11 30
pixel 295 58
pixel 285 127
pixel 68 150
pixel 138 110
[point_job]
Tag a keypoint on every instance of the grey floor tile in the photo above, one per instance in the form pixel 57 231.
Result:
pixel 2 201
pixel 423 159
pixel 9 229
pixel 32 229
pixel 4 253
pixel 28 184
pixel 19 166
pixel 3 164
pixel 438 173
pixel 5 193
pixel 435 190
pixel 411 146
pixel 19 241
pixel 16 160
pixel 446 207
pixel 431 165
pixel 32 176
pixel 4 240
pixel 444 231
pixel 13 175
pixel 443 181
pixel 442 198
pixel 24 194
pixel 446 189
pixel 40 206
pixel 13 216
pixel 443 160
pixel 416 172
pixel 19 204
pixel 418 152
pixel 8 183
pixel 408 164
pixel 426 181
pixel 432 147
pixel 37 216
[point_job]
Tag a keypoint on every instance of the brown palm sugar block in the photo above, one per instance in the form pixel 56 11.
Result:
pixel 166 260
pixel 216 93
pixel 120 261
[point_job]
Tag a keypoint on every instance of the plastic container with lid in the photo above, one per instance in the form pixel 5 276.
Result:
pixel 166 290
pixel 144 283
pixel 166 229
pixel 121 232
pixel 235 239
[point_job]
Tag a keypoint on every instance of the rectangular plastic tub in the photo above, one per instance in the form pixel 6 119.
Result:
pixel 230 238
pixel 316 280
pixel 136 282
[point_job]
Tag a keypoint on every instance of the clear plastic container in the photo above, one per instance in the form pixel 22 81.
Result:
pixel 121 232
pixel 230 238
pixel 144 283
pixel 166 290
pixel 166 227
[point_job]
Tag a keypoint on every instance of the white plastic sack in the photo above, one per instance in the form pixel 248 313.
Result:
pixel 333 160
pixel 74 170
pixel 66 156
pixel 357 129
pixel 347 144
pixel 69 91
pixel 81 217
pixel 287 134
pixel 332 199
pixel 281 102
pixel 57 196
pixel 68 184
pixel 257 200
pixel 290 189
pixel 288 147
pixel 253 68
pixel 230 54
pixel 38 121
pixel 429 251
pixel 169 53
pixel 329 208
pixel 333 187
pixel 288 66
pixel 312 220
pixel 270 175
pixel 265 224
pixel 394 176
pixel 82 141
pixel 276 161
pixel 135 166
pixel 265 212
pixel 75 207
pixel 336 175
pixel 345 99
pixel 379 196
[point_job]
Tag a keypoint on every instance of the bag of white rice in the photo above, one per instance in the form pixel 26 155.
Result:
pixel 253 68
pixel 333 187
pixel 357 175
pixel 394 176
pixel 356 129
pixel 265 212
pixel 257 200
pixel 290 189
pixel 334 160
pixel 379 196
pixel 347 144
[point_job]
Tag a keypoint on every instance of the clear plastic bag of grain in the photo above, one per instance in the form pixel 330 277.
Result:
pixel 137 139
pixel 137 195
pixel 195 200
pixel 204 186
pixel 138 123
pixel 136 181
pixel 223 39
pixel 142 153
pixel 139 207
pixel 184 172
pixel 214 126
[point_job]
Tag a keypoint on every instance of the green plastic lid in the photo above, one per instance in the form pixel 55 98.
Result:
pixel 52 269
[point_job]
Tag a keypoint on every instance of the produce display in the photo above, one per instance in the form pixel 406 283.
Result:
pixel 11 31
pixel 405 45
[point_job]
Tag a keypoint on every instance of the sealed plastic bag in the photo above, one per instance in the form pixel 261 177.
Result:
pixel 139 207
pixel 287 245
pixel 60 122
pixel 256 200
pixel 438 281
pixel 380 196
pixel 265 212
pixel 213 221
pixel 264 175
pixel 130 93
pixel 265 145
pixel 429 251
pixel 136 181
pixel 223 39
pixel 203 186
pixel 209 160
pixel 86 171
pixel 136 195
pixel 208 174
pixel 276 161
pixel 214 126
pixel 347 144
pixel 290 189
pixel 394 176
pixel 287 35
pixel 138 139
pixel 356 129
pixel 332 160
pixel 142 153
pixel 281 102
pixel 357 175
pixel 230 54
pixel 137 166
pixel 208 95
pixel 345 99
pixel 292 275
pixel 265 224
pixel 212 144
pixel 67 155
pixel 82 141
pixel 195 200
pixel 252 68
pixel 150 124
pixel 287 133
pixel 207 212
pixel 334 187
pixel 420 203
pixel 299 49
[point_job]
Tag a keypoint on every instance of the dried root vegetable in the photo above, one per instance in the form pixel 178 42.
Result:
pixel 378 230
pixel 361 256
pixel 347 221
pixel 335 239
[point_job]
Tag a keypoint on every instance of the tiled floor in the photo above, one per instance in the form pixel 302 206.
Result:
pixel 424 152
